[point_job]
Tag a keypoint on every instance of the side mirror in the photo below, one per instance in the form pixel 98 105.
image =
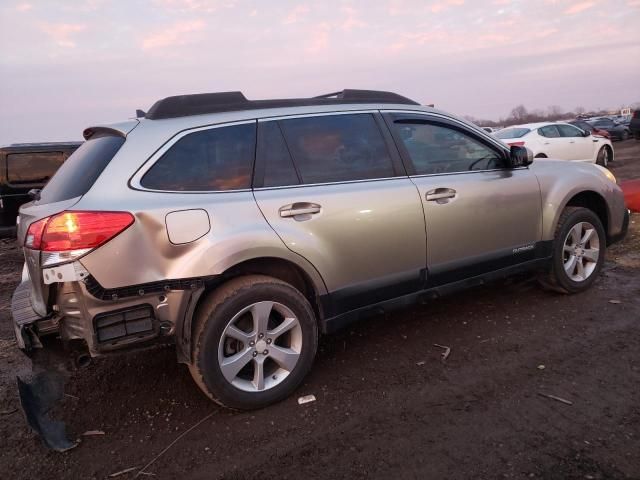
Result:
pixel 586 133
pixel 520 157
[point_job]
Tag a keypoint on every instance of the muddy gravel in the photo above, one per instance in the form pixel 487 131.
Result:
pixel 386 406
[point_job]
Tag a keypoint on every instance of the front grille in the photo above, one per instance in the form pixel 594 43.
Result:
pixel 134 322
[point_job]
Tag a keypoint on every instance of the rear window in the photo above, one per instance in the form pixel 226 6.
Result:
pixel 209 160
pixel 512 133
pixel 32 168
pixel 76 176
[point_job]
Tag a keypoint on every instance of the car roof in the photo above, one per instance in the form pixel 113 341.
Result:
pixel 533 126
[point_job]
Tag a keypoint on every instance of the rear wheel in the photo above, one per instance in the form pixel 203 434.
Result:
pixel 578 251
pixel 604 157
pixel 255 340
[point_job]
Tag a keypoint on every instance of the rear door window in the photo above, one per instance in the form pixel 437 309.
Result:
pixel 32 168
pixel 550 131
pixel 569 131
pixel 337 148
pixel 275 158
pixel 216 159
pixel 76 176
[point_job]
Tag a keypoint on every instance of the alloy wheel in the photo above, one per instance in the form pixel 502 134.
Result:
pixel 581 251
pixel 260 346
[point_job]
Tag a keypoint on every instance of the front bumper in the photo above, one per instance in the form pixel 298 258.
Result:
pixel 623 232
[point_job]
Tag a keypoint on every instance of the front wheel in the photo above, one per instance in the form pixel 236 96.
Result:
pixel 604 157
pixel 255 340
pixel 578 251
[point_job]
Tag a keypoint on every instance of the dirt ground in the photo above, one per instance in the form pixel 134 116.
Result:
pixel 387 406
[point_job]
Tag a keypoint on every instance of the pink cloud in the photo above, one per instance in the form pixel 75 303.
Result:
pixel 445 4
pixel 319 39
pixel 175 35
pixel 61 33
pixel 296 14
pixel 352 21
pixel 203 6
pixel 24 7
pixel 579 7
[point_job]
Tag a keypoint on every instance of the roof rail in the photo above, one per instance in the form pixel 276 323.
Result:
pixel 202 103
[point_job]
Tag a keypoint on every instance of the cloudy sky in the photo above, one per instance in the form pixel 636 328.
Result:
pixel 66 64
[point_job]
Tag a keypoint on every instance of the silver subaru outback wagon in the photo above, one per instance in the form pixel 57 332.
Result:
pixel 239 230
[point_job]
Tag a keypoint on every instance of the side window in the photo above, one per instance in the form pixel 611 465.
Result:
pixel 550 131
pixel 209 160
pixel 278 165
pixel 437 149
pixel 32 167
pixel 337 148
pixel 569 131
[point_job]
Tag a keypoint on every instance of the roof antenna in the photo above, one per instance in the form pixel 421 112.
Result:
pixel 140 113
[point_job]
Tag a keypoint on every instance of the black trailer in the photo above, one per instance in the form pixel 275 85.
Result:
pixel 26 166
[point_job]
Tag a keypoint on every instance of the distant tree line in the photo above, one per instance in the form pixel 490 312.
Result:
pixel 521 114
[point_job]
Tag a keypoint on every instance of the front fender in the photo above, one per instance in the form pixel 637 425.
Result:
pixel 560 181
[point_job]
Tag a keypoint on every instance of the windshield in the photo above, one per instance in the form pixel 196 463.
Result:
pixel 512 133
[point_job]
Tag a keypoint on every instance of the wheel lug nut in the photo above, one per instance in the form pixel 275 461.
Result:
pixel 269 341
pixel 265 352
pixel 261 335
pixel 252 343
pixel 255 354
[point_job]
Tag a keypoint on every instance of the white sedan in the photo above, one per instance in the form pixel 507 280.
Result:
pixel 559 141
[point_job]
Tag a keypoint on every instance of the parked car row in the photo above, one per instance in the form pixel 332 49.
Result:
pixel 616 131
pixel 559 141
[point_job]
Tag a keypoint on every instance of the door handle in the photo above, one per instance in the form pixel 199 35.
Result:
pixel 546 143
pixel 299 208
pixel 440 194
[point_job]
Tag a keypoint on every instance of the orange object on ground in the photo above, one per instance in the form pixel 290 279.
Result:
pixel 631 190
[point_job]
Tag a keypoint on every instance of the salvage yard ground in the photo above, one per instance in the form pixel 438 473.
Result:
pixel 387 406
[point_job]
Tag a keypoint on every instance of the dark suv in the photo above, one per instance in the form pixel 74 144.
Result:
pixel 634 125
pixel 26 166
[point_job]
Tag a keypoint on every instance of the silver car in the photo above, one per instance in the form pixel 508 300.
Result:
pixel 238 230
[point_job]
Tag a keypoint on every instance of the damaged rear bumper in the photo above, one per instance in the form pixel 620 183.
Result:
pixel 97 322
pixel 28 325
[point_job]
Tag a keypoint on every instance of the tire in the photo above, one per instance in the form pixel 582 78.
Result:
pixel 558 278
pixel 236 310
pixel 540 155
pixel 625 135
pixel 603 157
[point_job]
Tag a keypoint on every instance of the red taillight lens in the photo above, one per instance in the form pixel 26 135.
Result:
pixel 76 230
pixel 516 144
pixel 34 234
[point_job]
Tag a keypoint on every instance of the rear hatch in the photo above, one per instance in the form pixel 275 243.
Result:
pixel 74 178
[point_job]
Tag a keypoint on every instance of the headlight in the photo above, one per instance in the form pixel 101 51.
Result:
pixel 607 173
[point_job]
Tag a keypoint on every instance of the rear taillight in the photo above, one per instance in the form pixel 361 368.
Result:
pixel 76 230
pixel 34 234
pixel 516 144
